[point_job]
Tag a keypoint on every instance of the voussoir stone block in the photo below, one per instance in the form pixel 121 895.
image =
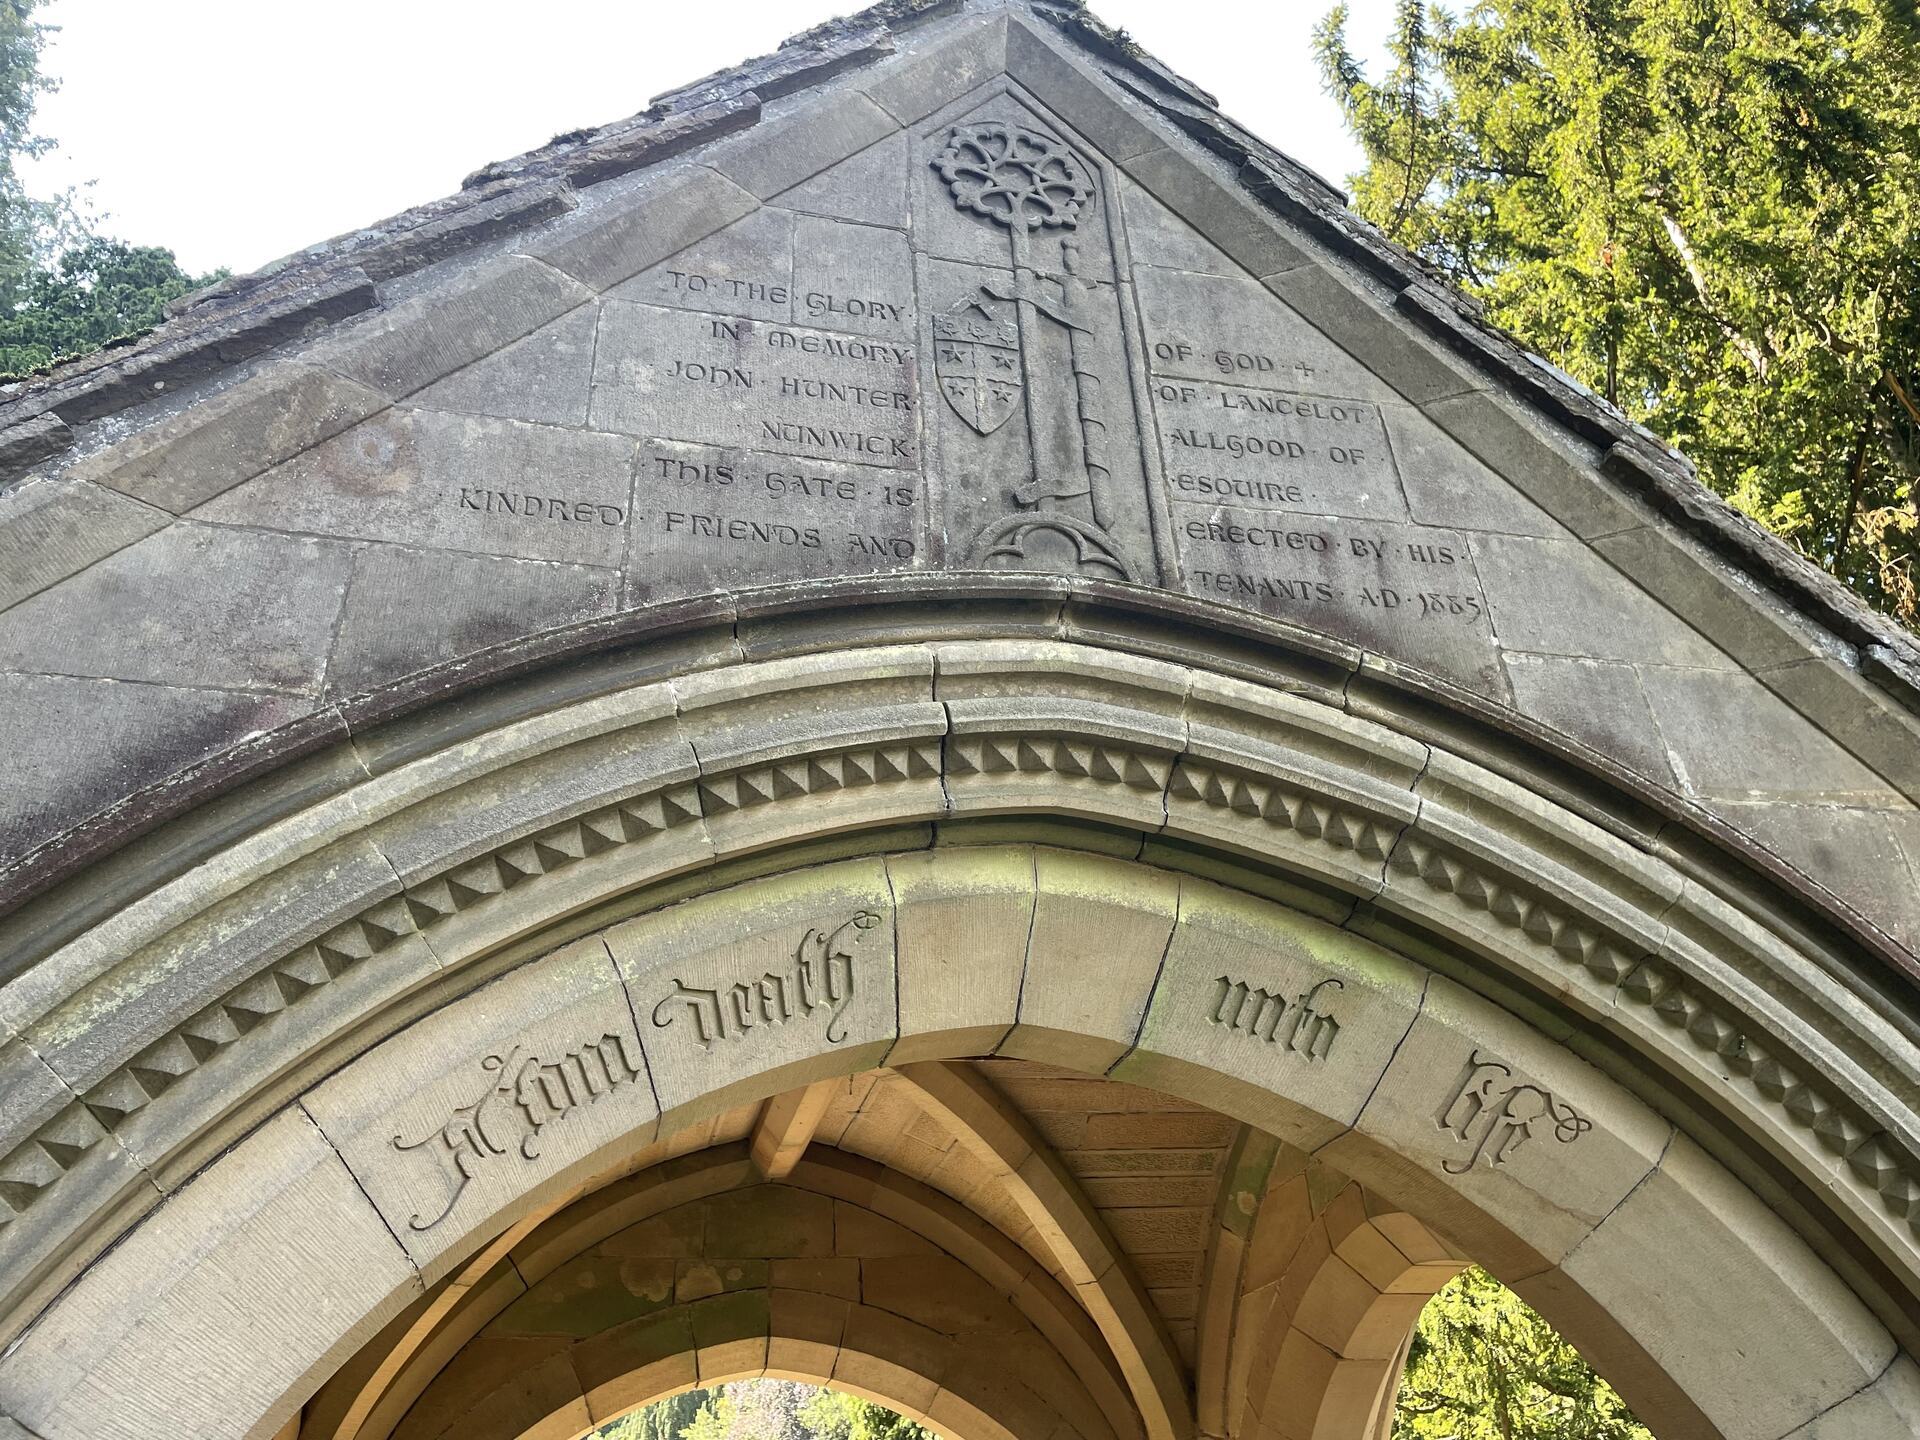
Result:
pixel 1277 1018
pixel 759 989
pixel 1727 1300
pixel 1515 1122
pixel 462 1120
pixel 162 1336
pixel 1095 917
pixel 1889 1407
pixel 963 921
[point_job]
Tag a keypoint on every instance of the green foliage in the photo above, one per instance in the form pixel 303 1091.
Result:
pixel 663 1420
pixel 96 292
pixel 836 1415
pixel 28 228
pixel 63 290
pixel 1706 210
pixel 1483 1366
pixel 764 1410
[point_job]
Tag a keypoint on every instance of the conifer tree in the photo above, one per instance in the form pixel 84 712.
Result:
pixel 1708 211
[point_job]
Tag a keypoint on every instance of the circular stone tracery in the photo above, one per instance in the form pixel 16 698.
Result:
pixel 1015 177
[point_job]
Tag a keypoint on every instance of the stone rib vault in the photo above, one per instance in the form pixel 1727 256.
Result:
pixel 919 721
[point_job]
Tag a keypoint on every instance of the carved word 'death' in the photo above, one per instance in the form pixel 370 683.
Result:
pixel 1259 1013
pixel 526 1095
pixel 1497 1114
pixel 821 978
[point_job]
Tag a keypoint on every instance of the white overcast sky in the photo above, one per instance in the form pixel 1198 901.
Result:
pixel 236 131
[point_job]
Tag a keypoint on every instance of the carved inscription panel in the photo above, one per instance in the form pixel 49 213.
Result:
pixel 958 350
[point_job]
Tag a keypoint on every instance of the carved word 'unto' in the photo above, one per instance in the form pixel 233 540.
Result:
pixel 1497 1114
pixel 526 1095
pixel 822 977
pixel 1260 1013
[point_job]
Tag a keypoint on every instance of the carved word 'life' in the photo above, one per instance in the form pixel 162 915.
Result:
pixel 1497 1114
pixel 1260 1013
pixel 822 977
pixel 526 1095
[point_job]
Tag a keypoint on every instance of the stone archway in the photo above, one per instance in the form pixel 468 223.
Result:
pixel 1249 810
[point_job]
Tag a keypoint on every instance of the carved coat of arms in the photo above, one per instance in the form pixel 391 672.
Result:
pixel 976 354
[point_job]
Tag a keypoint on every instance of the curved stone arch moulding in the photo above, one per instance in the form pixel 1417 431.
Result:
pixel 246 991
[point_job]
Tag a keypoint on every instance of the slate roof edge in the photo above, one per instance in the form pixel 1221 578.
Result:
pixel 219 327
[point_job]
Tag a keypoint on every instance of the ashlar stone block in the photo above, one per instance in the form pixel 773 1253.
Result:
pixel 1094 917
pixel 466 1117
pixel 606 244
pixel 450 481
pixel 963 922
pixel 1728 1300
pixel 404 349
pixel 214 445
pixel 49 531
pixel 779 153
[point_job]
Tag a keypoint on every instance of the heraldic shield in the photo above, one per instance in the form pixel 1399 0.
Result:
pixel 976 354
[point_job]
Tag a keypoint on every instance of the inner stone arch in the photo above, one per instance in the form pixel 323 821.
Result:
pixel 460 1134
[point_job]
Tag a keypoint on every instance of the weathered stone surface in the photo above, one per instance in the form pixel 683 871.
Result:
pixel 844 366
pixel 415 344
pixel 530 1082
pixel 1761 1349
pixel 457 482
pixel 743 269
pixel 870 187
pixel 777 155
pixel 407 609
pixel 963 923
pixel 544 379
pixel 1781 757
pixel 1093 916
pixel 57 775
pixel 910 89
pixel 212 447
pixel 499 214
pixel 1598 702
pixel 624 237
pixel 49 532
pixel 1528 1131
pixel 1889 1406
pixel 25 445
pixel 1544 594
pixel 827 396
pixel 195 605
